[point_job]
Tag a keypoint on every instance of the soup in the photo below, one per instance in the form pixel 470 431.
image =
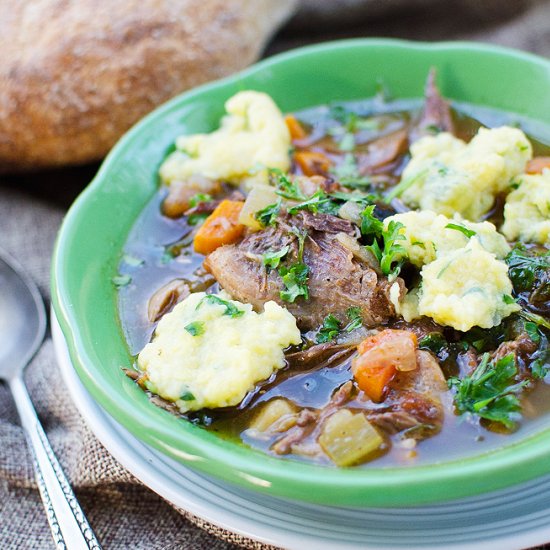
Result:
pixel 404 261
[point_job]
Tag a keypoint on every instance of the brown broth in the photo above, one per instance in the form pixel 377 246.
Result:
pixel 154 235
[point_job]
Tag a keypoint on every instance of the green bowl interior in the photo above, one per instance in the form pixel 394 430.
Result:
pixel 92 236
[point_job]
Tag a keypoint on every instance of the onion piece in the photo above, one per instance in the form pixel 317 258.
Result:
pixel 360 252
pixel 259 197
pixel 350 211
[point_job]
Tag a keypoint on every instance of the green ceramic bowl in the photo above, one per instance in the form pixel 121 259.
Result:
pixel 92 236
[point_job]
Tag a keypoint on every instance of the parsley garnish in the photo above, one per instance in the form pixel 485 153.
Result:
pixel 194 219
pixel 355 318
pixel 272 259
pixel 285 187
pixel 230 309
pixel 370 224
pixel 532 331
pixel 331 326
pixel 195 329
pixel 534 318
pixel 198 198
pixel 295 281
pixel 434 341
pixel 490 391
pixel 526 268
pixel 318 202
pixel 388 255
pixel 329 330
pixel 464 230
pixel 187 396
pixel 268 215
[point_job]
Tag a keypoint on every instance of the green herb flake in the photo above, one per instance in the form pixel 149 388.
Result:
pixel 434 342
pixel 268 215
pixel 230 309
pixel 532 331
pixel 508 300
pixel 198 198
pixel 285 187
pixel 534 318
pixel 355 319
pixel 195 329
pixel 329 330
pixel 187 396
pixel 527 268
pixel 469 233
pixel 392 252
pixel 272 259
pixel 490 392
pixel 370 224
pixel 295 282
pixel 120 281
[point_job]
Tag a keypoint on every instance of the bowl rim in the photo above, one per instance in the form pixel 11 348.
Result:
pixel 385 486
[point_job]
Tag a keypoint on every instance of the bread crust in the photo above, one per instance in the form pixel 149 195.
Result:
pixel 76 74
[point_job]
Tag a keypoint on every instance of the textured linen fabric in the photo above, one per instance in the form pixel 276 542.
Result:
pixel 124 513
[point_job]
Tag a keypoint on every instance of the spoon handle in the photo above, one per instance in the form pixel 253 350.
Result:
pixel 70 528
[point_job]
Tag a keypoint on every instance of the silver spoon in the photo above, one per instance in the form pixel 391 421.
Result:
pixel 23 325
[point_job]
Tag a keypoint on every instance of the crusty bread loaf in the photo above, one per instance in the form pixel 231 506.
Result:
pixel 75 74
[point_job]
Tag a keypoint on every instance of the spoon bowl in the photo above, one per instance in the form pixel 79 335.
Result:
pixel 22 318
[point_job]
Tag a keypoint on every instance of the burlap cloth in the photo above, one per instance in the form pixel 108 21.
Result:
pixel 125 514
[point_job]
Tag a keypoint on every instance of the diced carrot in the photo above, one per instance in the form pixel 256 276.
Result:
pixel 380 357
pixel 537 165
pixel 221 227
pixel 295 128
pixel 312 162
pixel 374 381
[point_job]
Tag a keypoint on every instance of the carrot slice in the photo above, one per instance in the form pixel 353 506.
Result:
pixel 295 128
pixel 312 162
pixel 380 358
pixel 221 227
pixel 537 165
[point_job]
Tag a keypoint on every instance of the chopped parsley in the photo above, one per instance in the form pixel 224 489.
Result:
pixel 490 392
pixel 302 235
pixel 331 326
pixel 272 259
pixel 534 318
pixel 268 215
pixel 194 219
pixel 230 309
pixel 286 188
pixel 370 224
pixel 526 268
pixel 532 331
pixel 187 396
pixel 469 233
pixel 295 282
pixel 198 198
pixel 195 329
pixel 434 342
pixel 329 330
pixel 355 319
pixel 392 254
